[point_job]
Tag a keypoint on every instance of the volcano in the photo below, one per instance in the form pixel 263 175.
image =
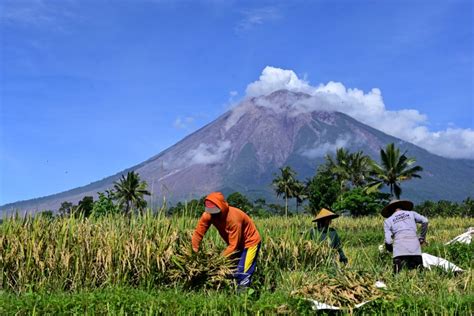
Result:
pixel 243 148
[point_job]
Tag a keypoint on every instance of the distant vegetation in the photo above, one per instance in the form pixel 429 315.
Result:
pixel 349 183
pixel 128 193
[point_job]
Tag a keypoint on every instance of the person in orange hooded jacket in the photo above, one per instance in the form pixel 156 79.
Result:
pixel 238 231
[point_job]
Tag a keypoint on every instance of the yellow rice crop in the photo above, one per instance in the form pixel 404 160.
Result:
pixel 77 253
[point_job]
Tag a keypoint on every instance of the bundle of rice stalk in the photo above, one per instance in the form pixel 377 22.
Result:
pixel 344 290
pixel 203 269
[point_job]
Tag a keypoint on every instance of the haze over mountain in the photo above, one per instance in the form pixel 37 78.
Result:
pixel 243 148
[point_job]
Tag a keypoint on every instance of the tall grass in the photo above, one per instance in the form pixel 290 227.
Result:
pixel 73 255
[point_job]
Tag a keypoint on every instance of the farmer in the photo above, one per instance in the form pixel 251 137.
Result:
pixel 322 231
pixel 400 234
pixel 237 230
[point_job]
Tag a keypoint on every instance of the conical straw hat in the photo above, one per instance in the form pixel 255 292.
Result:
pixel 393 205
pixel 325 213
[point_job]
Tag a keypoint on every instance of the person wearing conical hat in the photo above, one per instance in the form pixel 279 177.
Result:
pixel 322 232
pixel 401 234
pixel 238 231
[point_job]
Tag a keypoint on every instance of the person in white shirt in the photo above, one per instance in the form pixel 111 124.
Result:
pixel 401 234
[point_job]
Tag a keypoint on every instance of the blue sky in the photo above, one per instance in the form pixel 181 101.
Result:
pixel 89 88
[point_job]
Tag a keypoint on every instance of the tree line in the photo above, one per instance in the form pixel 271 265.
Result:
pixel 128 194
pixel 350 181
pixel 347 182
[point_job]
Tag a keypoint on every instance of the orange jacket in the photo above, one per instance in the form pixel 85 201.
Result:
pixel 234 226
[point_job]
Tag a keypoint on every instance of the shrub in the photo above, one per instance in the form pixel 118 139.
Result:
pixel 104 205
pixel 446 208
pixel 322 191
pixel 360 203
pixel 240 201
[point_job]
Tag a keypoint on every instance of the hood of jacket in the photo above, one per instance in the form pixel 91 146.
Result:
pixel 218 199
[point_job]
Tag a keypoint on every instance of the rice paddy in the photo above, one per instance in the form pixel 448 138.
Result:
pixel 145 265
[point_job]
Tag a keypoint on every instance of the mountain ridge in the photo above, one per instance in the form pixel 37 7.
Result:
pixel 242 149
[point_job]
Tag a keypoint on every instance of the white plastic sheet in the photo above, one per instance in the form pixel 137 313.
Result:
pixel 382 248
pixel 322 306
pixel 433 261
pixel 464 238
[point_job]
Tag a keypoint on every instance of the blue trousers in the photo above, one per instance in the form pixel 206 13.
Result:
pixel 246 265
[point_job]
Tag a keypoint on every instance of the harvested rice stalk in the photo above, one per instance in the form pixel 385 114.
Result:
pixel 344 290
pixel 203 269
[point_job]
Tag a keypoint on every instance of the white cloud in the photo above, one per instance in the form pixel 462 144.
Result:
pixel 255 17
pixel 38 13
pixel 321 149
pixel 183 123
pixel 204 153
pixel 237 113
pixel 273 79
pixel 207 153
pixel 232 100
pixel 369 108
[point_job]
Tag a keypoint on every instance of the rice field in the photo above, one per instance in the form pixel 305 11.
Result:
pixel 144 265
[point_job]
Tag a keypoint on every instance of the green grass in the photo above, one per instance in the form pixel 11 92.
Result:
pixel 133 301
pixel 113 265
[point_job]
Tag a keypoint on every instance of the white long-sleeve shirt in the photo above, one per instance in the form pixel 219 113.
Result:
pixel 400 230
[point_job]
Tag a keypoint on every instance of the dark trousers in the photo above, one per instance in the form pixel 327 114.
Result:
pixel 410 262
pixel 246 265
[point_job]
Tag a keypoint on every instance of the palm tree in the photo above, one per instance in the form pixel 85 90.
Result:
pixel 339 166
pixel 353 168
pixel 129 191
pixel 394 168
pixel 359 168
pixel 285 184
pixel 299 193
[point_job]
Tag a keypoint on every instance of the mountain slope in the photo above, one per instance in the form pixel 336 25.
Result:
pixel 242 149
